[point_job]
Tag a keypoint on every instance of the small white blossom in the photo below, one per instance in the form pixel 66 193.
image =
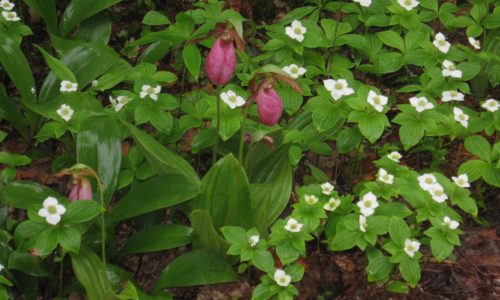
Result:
pixel 452 224
pixel 448 96
pixel 441 43
pixel 1 267
pixel 426 181
pixel 254 240
pixel 296 31
pixel 461 180
pixel 68 86
pixel 408 4
pixel 281 278
pixel 421 103
pixel 367 204
pixel 6 5
pixel 327 188
pixel 293 225
pixel 149 91
pixel 491 105
pixel 377 101
pixel 51 210
pixel 362 223
pixel 365 3
pixel 338 88
pixel 119 102
pixel 94 83
pixel 65 112
pixel 437 193
pixel 332 204
pixel 33 90
pixel 394 156
pixel 384 176
pixel 411 246
pixel 294 71
pixel 450 70
pixel 475 43
pixel 10 16
pixel 460 117
pixel 311 199
pixel 232 99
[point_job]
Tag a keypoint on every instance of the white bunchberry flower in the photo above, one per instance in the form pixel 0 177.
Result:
pixel 491 105
pixel 426 181
pixel 337 88
pixel 367 204
pixel 365 3
pixel 254 240
pixel 294 71
pixel 232 99
pixel 6 5
pixel 452 224
pixel 362 223
pixel 311 199
pixel 384 176
pixel 332 204
pixel 119 102
pixel 68 86
pixel 421 103
pixel 408 4
pixel 437 193
pixel 461 180
pixel 448 96
pixel 94 83
pixel 460 117
pixel 33 90
pixel 10 16
pixel 475 43
pixel 51 210
pixel 441 43
pixel 296 31
pixel 377 101
pixel 1 267
pixel 411 246
pixel 394 156
pixel 149 91
pixel 450 70
pixel 293 225
pixel 281 278
pixel 65 112
pixel 327 188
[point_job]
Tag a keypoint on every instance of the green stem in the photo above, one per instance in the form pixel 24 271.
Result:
pixel 242 136
pixel 217 130
pixel 103 225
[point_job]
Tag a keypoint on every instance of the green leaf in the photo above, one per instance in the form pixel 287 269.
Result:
pixel 24 194
pixel 69 238
pixel 379 268
pixel 205 235
pixel 199 267
pixel 46 9
pixel 474 168
pixel 154 18
pixel 392 39
pixel 96 29
pixel 79 10
pixel 411 133
pixel 441 248
pixel 410 270
pixel 478 146
pixel 398 230
pixel 398 287
pixel 98 145
pixel 82 211
pixel 344 239
pixel 11 112
pixel 46 242
pixel 158 238
pixel 60 70
pixel 370 125
pixel 348 139
pixel 192 59
pixel 28 263
pixel 152 194
pixel 14 160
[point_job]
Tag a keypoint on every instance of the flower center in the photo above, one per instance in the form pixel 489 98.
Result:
pixel 453 93
pixel 368 203
pixel 376 99
pixel 410 248
pixel 294 70
pixel 386 177
pixel 339 86
pixel 462 117
pixel 282 279
pixel 232 99
pixel 461 181
pixel 69 85
pixel 151 90
pixel 451 67
pixel 408 2
pixel 52 209
pixel 441 43
pixel 493 104
pixel 293 226
pixel 428 180
pixel 438 193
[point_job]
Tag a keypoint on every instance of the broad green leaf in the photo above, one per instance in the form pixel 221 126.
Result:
pixel 60 70
pixel 410 134
pixel 28 263
pixel 199 267
pixel 397 287
pixel 79 10
pixel 392 39
pixel 379 268
pixel 153 18
pixel 158 238
pixel 96 29
pixel 205 235
pixel 441 248
pixel 23 194
pixel 10 111
pixel 474 168
pixel 398 230
pixel 478 146
pixel 410 270
pixel 14 160
pixel 46 9
pixel 69 238
pixel 82 211
pixel 344 239
pixel 348 139
pixel 46 241
pixel 192 59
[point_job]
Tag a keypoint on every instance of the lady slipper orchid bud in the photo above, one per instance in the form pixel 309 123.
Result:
pixel 81 190
pixel 220 64
pixel 269 105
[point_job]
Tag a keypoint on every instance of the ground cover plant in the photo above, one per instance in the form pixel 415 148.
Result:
pixel 247 149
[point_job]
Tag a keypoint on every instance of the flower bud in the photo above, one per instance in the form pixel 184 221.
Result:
pixel 81 190
pixel 269 105
pixel 220 64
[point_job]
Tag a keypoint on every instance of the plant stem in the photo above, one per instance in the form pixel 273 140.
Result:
pixel 103 225
pixel 217 130
pixel 242 136
pixel 61 277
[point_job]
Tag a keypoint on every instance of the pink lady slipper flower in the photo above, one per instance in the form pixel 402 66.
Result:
pixel 81 190
pixel 220 64
pixel 269 105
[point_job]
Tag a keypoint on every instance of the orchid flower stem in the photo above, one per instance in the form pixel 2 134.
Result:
pixel 217 130
pixel 103 224
pixel 242 136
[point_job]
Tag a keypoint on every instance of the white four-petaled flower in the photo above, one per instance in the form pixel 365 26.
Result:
pixel 293 225
pixel 448 96
pixel 119 102
pixel 1 267
pixel 6 5
pixel 365 3
pixel 332 204
pixel 149 91
pixel 327 188
pixel 491 105
pixel 426 181
pixel 411 246
pixel 475 43
pixel 65 112
pixel 437 193
pixel 68 86
pixel 296 31
pixel 254 240
pixel 367 204
pixel 394 156
pixel 377 101
pixel 51 210
pixel 461 180
pixel 338 88
pixel 441 43
pixel 384 176
pixel 311 199
pixel 408 4
pixel 450 70
pixel 452 224
pixel 10 16
pixel 421 103
pixel 232 99
pixel 281 278
pixel 294 71
pixel 362 223
pixel 461 117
